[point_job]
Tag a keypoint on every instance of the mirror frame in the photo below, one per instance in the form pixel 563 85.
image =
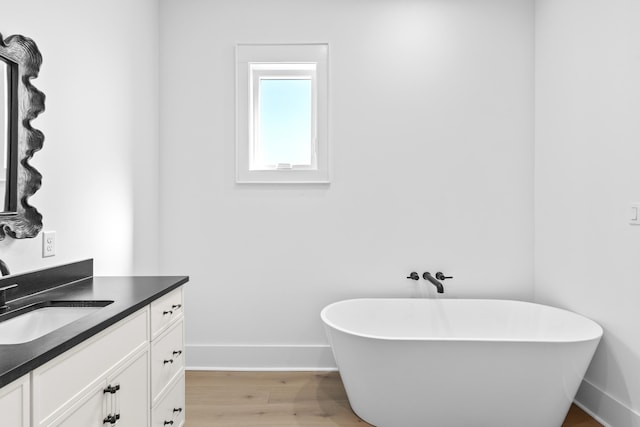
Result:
pixel 24 221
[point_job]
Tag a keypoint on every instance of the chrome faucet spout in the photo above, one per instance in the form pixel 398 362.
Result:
pixel 434 281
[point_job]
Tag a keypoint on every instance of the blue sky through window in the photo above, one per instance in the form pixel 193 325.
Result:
pixel 285 121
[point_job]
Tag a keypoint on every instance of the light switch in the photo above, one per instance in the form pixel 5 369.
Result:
pixel 634 216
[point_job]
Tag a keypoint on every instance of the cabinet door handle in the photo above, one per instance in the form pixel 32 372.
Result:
pixel 164 313
pixel 176 306
pixel 111 419
pixel 177 352
pixel 111 389
pixel 178 410
pixel 167 361
pixel 168 423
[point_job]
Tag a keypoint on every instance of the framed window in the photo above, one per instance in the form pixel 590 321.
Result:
pixel 281 114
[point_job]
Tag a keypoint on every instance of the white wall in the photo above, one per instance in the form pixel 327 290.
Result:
pixel 432 124
pixel 100 156
pixel 586 176
pixel 432 140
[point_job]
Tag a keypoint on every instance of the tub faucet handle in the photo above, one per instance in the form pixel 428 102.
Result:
pixel 413 276
pixel 440 276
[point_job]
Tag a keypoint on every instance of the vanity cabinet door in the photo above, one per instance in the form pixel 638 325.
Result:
pixel 90 411
pixel 130 403
pixel 14 403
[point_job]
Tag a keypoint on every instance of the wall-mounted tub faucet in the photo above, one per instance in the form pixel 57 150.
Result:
pixel 413 276
pixel 427 276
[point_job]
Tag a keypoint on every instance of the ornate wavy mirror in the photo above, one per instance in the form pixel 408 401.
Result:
pixel 20 103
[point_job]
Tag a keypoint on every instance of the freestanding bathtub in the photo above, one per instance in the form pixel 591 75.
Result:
pixel 459 363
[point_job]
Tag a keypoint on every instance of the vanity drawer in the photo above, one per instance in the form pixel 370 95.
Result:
pixel 170 410
pixel 57 382
pixel 167 358
pixel 165 310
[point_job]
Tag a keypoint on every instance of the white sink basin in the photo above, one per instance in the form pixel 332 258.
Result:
pixel 43 318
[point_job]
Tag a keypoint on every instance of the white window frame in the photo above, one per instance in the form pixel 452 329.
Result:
pixel 283 61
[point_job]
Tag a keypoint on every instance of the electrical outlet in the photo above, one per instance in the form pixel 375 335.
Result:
pixel 48 244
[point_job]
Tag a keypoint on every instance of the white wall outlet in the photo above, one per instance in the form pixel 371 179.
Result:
pixel 48 244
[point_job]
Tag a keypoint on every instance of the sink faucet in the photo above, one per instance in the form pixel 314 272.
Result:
pixel 3 295
pixel 434 281
pixel 3 268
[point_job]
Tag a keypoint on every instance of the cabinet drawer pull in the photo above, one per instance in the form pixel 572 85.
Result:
pixel 167 361
pixel 169 312
pixel 168 423
pixel 177 352
pixel 178 410
pixel 176 306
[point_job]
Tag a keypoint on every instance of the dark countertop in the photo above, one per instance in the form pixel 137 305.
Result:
pixel 129 294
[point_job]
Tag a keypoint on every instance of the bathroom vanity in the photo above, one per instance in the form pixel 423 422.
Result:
pixel 120 364
pixel 75 350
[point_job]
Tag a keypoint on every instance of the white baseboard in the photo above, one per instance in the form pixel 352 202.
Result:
pixel 604 408
pixel 260 358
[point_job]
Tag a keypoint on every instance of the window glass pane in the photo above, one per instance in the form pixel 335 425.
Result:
pixel 285 122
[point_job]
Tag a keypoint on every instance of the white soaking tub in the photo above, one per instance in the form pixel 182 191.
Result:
pixel 459 363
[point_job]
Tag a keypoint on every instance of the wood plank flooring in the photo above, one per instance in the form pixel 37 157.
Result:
pixel 283 399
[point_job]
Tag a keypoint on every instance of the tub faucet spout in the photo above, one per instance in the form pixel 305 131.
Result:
pixel 434 281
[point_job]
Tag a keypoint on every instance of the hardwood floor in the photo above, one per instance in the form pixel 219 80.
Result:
pixel 283 399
